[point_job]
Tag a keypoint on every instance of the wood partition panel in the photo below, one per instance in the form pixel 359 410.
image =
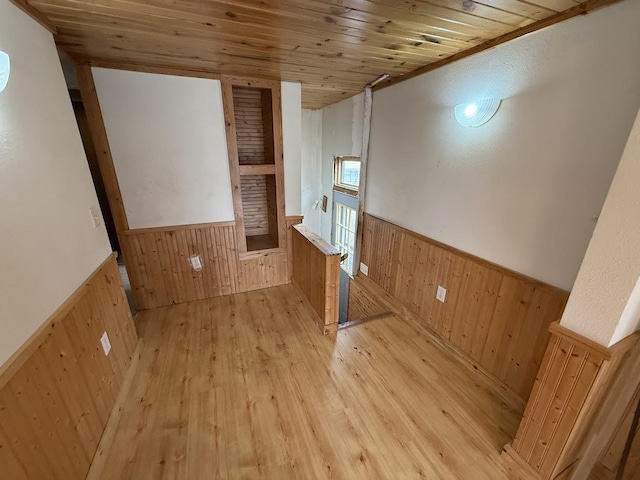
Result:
pixel 574 377
pixel 494 316
pixel 316 271
pixel 58 391
pixel 609 462
pixel 157 260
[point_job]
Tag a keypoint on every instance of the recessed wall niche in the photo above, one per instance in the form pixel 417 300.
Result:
pixel 254 137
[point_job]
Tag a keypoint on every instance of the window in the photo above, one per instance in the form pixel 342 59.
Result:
pixel 347 173
pixel 345 233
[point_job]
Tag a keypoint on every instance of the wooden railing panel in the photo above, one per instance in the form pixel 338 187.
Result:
pixel 316 272
pixel 58 391
pixel 496 317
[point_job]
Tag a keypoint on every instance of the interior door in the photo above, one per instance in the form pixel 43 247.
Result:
pixel 343 237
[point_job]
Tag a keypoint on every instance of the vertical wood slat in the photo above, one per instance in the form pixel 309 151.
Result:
pixel 57 392
pixel 613 451
pixel 291 221
pixel 496 317
pixel 316 272
pixel 568 390
pixel 157 261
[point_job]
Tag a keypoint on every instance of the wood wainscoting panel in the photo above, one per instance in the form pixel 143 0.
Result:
pixel 496 317
pixel 263 270
pixel 610 459
pixel 573 380
pixel 316 272
pixel 58 391
pixel 157 261
pixel 290 222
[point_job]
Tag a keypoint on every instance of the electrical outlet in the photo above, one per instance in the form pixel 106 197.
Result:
pixel 95 216
pixel 106 344
pixel 196 262
pixel 364 269
pixel 442 293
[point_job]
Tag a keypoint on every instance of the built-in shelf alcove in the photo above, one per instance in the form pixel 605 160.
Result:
pixel 254 137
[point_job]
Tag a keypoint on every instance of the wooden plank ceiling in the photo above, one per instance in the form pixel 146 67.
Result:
pixel 335 48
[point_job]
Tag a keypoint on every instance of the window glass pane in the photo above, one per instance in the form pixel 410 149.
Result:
pixel 345 233
pixel 350 173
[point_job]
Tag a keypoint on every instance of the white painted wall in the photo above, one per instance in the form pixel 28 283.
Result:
pixel 341 135
pixel 311 168
pixel 48 243
pixel 292 146
pixel 169 147
pixel 604 304
pixel 524 189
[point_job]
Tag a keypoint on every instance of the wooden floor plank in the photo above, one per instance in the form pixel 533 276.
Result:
pixel 244 386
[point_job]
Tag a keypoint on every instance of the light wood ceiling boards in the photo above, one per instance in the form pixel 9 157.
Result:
pixel 335 48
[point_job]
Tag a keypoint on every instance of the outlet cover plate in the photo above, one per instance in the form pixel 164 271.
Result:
pixel 442 293
pixel 196 262
pixel 95 216
pixel 106 344
pixel 364 269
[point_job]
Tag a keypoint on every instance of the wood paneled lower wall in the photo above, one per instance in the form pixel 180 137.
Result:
pixel 58 391
pixel 157 261
pixel 496 317
pixel 609 462
pixel 573 380
pixel 316 272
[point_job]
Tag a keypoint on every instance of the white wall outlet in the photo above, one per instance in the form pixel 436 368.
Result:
pixel 96 215
pixel 106 344
pixel 364 269
pixel 196 262
pixel 442 293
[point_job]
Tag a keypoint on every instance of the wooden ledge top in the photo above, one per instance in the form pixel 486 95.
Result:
pixel 320 243
pixel 615 350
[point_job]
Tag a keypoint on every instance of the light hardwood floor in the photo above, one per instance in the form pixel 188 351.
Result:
pixel 244 386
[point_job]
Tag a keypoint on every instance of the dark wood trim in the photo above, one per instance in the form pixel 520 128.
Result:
pixel 36 14
pixel 101 142
pixel 580 9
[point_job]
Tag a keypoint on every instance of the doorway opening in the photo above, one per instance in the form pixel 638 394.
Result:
pixel 82 120
pixel 344 223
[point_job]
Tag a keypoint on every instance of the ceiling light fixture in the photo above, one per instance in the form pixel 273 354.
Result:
pixel 5 69
pixel 479 112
